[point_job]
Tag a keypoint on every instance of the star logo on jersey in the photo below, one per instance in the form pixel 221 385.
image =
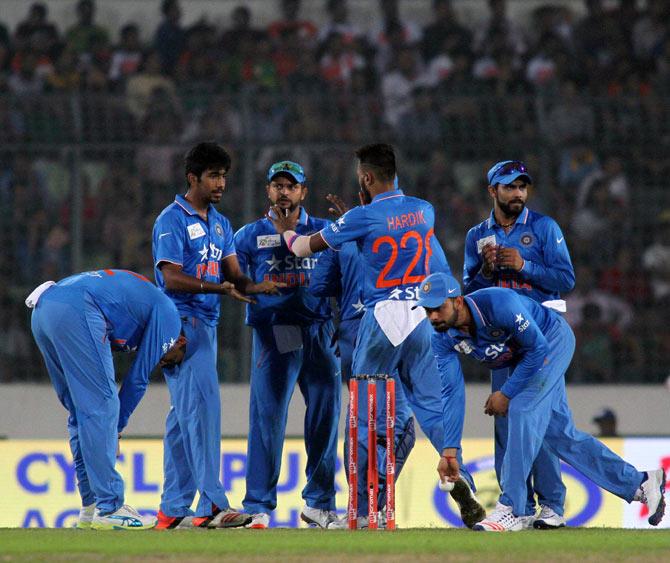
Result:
pixel 518 318
pixel 204 251
pixel 273 263
pixel 340 221
pixel 168 345
pixel 358 305
pixel 396 293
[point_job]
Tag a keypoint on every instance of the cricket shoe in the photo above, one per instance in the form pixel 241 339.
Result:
pixel 652 493
pixel 259 521
pixel 86 514
pixel 500 520
pixel 548 520
pixel 125 518
pixel 174 522
pixel 317 517
pixel 229 518
pixel 468 504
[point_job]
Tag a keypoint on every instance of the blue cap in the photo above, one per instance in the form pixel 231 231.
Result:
pixel 506 172
pixel 436 288
pixel 292 169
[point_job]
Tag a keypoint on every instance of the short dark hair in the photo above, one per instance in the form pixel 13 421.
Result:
pixel 204 156
pixel 379 156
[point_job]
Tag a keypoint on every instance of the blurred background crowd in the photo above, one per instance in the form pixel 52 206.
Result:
pixel 94 122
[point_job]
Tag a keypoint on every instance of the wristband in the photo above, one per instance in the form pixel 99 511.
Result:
pixel 289 237
pixel 448 457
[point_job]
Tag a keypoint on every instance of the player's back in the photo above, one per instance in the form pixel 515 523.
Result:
pixel 398 250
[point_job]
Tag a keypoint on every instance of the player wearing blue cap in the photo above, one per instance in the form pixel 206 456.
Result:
pixel 525 251
pixel 340 275
pixel 77 324
pixel 395 235
pixel 194 252
pixel 502 329
pixel 292 343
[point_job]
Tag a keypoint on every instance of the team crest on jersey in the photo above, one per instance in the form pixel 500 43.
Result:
pixel 527 239
pixel 268 241
pixel 219 229
pixel 195 231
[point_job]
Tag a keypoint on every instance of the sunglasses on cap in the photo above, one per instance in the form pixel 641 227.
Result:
pixel 287 166
pixel 516 166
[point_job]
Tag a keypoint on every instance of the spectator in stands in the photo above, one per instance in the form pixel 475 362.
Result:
pixel 25 79
pixel 338 14
pixel 267 117
pixel 571 120
pixel 241 32
pixel 390 34
pixel 198 62
pixel 626 278
pixel 398 84
pixel 127 56
pixel 445 34
pixel 650 32
pixel 499 23
pixel 656 258
pixel 140 86
pixel 170 37
pixel 339 60
pixel 593 360
pixel 291 23
pixel 86 36
pixel 36 23
pixel 419 129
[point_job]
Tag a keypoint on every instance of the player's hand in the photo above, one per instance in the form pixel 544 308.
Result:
pixel 497 404
pixel 281 219
pixel 267 287
pixel 228 288
pixel 339 207
pixel 509 258
pixel 489 257
pixel 448 468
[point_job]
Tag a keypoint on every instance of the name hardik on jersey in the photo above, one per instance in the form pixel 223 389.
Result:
pixel 264 256
pixel 395 236
pixel 182 237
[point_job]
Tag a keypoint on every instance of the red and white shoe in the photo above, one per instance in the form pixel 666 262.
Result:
pixel 500 520
pixel 166 522
pixel 259 521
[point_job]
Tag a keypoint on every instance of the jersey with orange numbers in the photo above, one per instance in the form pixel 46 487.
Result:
pixel 395 235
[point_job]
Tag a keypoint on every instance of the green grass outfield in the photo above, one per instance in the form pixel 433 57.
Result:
pixel 413 546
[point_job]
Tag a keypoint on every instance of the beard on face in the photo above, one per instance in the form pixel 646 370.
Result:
pixel 445 325
pixel 512 208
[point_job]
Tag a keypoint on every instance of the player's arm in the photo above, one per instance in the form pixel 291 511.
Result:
pixel 453 390
pixel 477 268
pixel 243 283
pixel 160 331
pixel 532 344
pixel 326 278
pixel 557 273
pixel 177 280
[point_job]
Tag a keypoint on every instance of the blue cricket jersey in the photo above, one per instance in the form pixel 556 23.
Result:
pixel 510 333
pixel 547 270
pixel 263 255
pixel 340 275
pixel 396 240
pixel 138 316
pixel 182 237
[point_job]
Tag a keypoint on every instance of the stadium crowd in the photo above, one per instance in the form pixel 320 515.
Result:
pixel 583 100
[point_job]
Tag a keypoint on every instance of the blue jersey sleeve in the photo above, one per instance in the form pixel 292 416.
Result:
pixel 229 239
pixel 168 240
pixel 160 333
pixel 558 274
pixel 472 264
pixel 326 279
pixel 353 225
pixel 515 318
pixel 242 249
pixel 453 390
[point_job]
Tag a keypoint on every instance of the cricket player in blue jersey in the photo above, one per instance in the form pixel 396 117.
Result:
pixel 194 252
pixel 292 343
pixel 525 251
pixel 395 236
pixel 77 324
pixel 502 329
pixel 339 275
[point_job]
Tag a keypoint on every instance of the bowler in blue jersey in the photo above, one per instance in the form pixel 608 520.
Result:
pixel 194 263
